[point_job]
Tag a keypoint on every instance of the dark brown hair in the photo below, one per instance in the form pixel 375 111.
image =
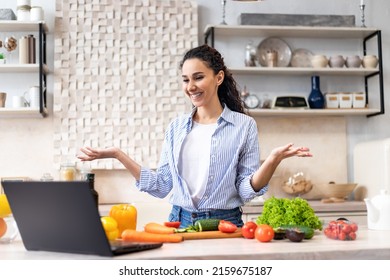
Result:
pixel 228 92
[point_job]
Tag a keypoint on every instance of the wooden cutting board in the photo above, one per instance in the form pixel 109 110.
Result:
pixel 210 234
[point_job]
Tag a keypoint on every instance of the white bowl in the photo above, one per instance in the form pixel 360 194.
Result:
pixel 353 61
pixel 339 191
pixel 370 61
pixel 336 61
pixel 319 61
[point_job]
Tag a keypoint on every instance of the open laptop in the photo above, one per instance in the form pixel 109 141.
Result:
pixel 62 216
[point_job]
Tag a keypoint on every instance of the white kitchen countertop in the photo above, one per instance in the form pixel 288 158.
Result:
pixel 368 245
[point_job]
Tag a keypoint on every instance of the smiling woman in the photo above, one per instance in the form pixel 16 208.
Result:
pixel 210 162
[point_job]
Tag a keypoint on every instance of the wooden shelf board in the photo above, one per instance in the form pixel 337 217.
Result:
pixel 312 112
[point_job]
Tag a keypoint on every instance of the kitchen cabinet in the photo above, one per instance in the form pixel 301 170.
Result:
pixel 36 72
pixel 230 37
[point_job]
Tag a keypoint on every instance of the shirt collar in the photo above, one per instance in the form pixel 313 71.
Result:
pixel 227 115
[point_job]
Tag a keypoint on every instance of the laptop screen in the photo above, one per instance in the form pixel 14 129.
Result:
pixel 59 216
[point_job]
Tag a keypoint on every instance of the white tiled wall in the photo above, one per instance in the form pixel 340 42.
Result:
pixel 116 79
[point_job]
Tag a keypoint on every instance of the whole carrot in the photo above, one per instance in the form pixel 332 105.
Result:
pixel 158 228
pixel 142 236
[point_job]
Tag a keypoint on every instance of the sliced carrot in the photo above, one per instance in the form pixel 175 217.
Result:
pixel 158 228
pixel 142 236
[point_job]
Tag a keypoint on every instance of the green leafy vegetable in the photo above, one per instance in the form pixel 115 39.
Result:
pixel 284 211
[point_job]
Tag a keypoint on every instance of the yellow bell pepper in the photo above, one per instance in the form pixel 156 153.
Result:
pixel 125 215
pixel 110 227
pixel 5 209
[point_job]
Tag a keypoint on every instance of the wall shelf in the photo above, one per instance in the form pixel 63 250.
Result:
pixel 311 112
pixel 40 67
pixel 304 71
pixel 339 33
pixel 18 68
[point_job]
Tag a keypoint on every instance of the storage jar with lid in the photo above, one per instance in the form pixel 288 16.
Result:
pixel 36 13
pixel 23 13
pixel 68 171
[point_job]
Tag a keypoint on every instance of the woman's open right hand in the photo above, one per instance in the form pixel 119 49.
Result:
pixel 92 154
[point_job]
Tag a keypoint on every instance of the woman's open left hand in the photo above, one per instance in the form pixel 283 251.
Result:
pixel 288 150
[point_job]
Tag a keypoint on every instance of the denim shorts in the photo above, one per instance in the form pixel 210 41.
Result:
pixel 188 218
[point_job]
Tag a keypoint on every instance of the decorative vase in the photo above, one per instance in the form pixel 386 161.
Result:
pixel 316 98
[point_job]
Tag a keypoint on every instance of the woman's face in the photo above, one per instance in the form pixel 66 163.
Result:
pixel 200 83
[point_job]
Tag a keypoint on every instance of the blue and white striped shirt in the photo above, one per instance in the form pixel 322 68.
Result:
pixel 234 157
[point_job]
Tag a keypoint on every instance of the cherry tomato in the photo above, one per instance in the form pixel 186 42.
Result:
pixel 264 233
pixel 226 226
pixel 352 235
pixel 172 224
pixel 248 230
pixel 342 236
pixel 346 228
pixel 341 230
pixel 354 227
pixel 334 234
pixel 327 232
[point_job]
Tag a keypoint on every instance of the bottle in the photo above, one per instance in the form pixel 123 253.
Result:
pixel 31 48
pixel 316 98
pixel 23 50
pixel 250 55
pixel 91 180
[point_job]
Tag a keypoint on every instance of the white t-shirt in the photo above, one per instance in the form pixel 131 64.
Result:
pixel 194 159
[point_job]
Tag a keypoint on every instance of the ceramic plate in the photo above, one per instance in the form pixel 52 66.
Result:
pixel 274 44
pixel 301 58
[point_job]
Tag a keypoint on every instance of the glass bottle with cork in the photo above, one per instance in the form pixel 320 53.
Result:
pixel 90 177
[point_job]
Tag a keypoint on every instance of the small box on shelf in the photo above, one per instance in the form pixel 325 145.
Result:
pixel 332 100
pixel 358 100
pixel 345 100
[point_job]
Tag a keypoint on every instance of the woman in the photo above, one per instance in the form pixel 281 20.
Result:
pixel 210 158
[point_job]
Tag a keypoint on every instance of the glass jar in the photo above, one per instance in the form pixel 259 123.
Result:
pixel 68 171
pixel 12 230
pixel 47 177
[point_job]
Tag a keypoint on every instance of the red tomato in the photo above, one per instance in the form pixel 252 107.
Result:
pixel 328 232
pixel 354 227
pixel 172 224
pixel 342 236
pixel 264 233
pixel 226 226
pixel 346 228
pixel 334 234
pixel 248 230
pixel 352 235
